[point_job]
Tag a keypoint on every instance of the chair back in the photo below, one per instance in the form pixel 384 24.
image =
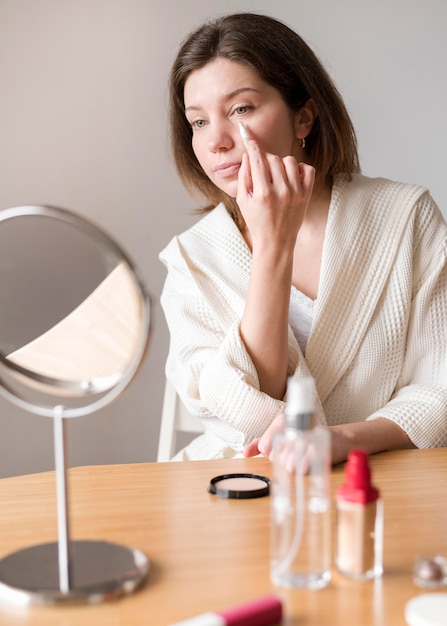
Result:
pixel 174 419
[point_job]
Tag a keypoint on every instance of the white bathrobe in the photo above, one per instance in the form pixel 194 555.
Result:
pixel 378 342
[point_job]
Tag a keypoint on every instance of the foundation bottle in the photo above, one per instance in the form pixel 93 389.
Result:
pixel 300 502
pixel 359 521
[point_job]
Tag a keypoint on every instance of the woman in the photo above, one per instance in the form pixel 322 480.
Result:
pixel 301 265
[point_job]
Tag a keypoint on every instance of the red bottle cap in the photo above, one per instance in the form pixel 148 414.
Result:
pixel 357 486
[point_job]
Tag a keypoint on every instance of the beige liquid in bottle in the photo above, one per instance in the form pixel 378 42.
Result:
pixel 359 522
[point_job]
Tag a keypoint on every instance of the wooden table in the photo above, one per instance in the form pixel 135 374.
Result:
pixel 209 553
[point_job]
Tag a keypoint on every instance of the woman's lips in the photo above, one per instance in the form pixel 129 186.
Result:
pixel 226 170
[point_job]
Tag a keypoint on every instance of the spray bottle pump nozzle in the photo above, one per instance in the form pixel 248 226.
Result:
pixel 300 404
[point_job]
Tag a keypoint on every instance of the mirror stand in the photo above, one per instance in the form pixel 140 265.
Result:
pixel 69 571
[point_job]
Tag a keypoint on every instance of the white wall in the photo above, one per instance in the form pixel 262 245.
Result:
pixel 83 126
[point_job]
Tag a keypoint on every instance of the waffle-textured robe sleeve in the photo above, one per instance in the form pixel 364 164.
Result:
pixel 378 342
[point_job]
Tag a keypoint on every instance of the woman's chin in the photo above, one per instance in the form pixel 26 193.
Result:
pixel 230 189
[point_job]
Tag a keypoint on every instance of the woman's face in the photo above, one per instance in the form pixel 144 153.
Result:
pixel 217 97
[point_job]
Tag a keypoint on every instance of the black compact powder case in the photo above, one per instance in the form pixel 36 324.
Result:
pixel 239 486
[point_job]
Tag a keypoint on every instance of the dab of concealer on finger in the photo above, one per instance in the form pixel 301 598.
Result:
pixel 244 133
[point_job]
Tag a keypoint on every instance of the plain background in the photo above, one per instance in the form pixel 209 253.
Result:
pixel 83 125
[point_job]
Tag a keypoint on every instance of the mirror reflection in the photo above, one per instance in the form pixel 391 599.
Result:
pixel 74 318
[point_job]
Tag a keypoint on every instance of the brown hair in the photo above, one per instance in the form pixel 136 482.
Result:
pixel 286 62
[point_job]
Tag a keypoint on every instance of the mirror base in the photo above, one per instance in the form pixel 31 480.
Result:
pixel 100 571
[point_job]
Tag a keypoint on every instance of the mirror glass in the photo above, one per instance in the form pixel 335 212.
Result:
pixel 74 320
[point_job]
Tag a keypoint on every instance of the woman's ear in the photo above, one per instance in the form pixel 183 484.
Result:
pixel 305 118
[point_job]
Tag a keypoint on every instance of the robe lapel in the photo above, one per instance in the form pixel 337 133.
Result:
pixel 366 222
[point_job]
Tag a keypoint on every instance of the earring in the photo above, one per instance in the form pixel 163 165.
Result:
pixel 302 143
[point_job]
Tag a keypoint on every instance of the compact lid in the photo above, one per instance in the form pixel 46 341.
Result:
pixel 428 609
pixel 240 486
pixel 357 486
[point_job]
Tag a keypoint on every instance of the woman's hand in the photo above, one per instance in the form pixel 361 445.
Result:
pixel 341 442
pixel 264 444
pixel 376 435
pixel 287 453
pixel 373 436
pixel 273 195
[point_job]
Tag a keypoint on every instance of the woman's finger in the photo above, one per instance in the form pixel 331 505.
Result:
pixel 265 444
pixel 245 183
pixel 251 449
pixel 259 168
pixel 307 177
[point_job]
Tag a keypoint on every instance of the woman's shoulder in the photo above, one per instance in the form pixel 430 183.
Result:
pixel 365 194
pixel 218 217
pixel 378 186
pixel 386 205
pixel 214 233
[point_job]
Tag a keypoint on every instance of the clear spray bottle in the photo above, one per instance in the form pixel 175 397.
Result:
pixel 300 504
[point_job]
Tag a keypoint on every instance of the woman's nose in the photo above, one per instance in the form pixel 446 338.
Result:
pixel 221 136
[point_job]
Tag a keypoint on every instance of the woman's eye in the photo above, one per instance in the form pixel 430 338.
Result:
pixel 198 124
pixel 241 110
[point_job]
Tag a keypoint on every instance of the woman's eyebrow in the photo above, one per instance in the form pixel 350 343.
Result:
pixel 229 96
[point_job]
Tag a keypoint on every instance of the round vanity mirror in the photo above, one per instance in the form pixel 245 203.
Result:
pixel 74 318
pixel 74 329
